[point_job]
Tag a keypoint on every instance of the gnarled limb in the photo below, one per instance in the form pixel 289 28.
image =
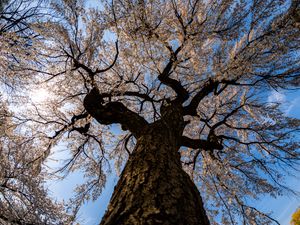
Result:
pixel 113 112
pixel 199 143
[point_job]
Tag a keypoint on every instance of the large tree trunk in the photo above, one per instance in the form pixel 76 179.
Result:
pixel 153 188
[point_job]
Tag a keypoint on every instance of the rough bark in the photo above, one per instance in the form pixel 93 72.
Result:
pixel 153 188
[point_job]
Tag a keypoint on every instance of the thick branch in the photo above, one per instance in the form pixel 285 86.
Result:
pixel 182 93
pixel 143 96
pixel 113 112
pixel 202 144
pixel 209 87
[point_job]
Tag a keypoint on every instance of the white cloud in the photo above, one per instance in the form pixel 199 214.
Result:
pixel 289 104
pixel 293 107
pixel 277 97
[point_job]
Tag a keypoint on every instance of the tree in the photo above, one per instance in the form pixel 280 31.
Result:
pixel 186 81
pixel 16 35
pixel 15 16
pixel 296 218
pixel 24 197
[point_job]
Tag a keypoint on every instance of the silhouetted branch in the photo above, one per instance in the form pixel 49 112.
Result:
pixel 200 144
pixel 113 112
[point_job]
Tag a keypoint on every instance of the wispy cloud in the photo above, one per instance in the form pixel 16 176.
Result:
pixel 288 104
pixel 276 97
pixel 293 107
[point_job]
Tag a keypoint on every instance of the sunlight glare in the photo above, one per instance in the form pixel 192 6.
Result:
pixel 39 95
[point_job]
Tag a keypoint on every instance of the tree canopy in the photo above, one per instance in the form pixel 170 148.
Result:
pixel 24 198
pixel 129 62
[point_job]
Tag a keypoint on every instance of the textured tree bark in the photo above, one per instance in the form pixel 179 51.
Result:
pixel 153 188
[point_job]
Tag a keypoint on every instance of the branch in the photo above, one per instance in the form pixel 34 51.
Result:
pixel 216 125
pixel 182 93
pixel 113 112
pixel 112 64
pixel 74 119
pixel 209 87
pixel 90 72
pixel 144 96
pixel 202 144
